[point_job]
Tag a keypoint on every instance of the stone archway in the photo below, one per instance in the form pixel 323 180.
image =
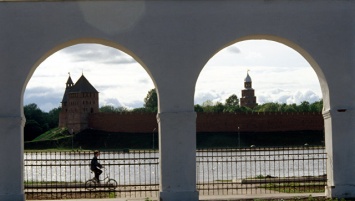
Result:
pixel 330 111
pixel 322 82
pixel 174 39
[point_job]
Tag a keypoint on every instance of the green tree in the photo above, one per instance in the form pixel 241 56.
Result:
pixel 290 108
pixel 207 106
pixel 36 122
pixel 232 109
pixel 316 106
pixel 32 111
pixel 112 109
pixel 32 130
pixel 141 110
pixel 245 109
pixel 198 108
pixel 232 104
pixel 304 107
pixel 151 101
pixel 218 107
pixel 53 117
pixel 269 107
pixel 232 101
pixel 122 109
pixel 107 109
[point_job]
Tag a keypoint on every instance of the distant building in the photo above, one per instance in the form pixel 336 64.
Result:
pixel 80 110
pixel 248 98
pixel 79 101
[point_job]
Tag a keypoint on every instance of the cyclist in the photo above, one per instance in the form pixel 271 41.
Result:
pixel 96 166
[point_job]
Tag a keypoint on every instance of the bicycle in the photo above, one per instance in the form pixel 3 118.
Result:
pixel 91 184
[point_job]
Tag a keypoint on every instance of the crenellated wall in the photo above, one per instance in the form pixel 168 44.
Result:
pixel 259 122
pixel 211 122
pixel 124 122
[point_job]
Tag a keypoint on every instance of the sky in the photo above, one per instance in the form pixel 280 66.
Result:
pixel 278 73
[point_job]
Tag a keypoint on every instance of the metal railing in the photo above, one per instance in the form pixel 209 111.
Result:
pixel 62 175
pixel 57 175
pixel 261 170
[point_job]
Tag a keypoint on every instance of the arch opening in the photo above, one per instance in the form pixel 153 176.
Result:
pixel 104 108
pixel 282 80
pixel 287 113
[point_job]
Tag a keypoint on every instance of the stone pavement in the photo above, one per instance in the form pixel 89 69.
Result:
pixel 216 197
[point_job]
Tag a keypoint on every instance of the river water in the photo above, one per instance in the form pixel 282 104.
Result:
pixel 143 167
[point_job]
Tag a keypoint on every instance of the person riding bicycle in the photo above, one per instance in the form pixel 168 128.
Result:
pixel 96 166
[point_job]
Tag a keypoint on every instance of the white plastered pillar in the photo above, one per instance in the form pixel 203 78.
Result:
pixel 11 157
pixel 340 141
pixel 339 122
pixel 12 122
pixel 177 156
pixel 175 80
pixel 11 134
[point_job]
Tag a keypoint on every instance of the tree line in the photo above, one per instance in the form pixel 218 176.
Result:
pixel 38 122
pixel 231 105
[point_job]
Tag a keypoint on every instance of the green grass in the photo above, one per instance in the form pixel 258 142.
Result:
pixel 309 198
pixel 148 199
pixel 112 195
pixel 295 187
pixel 51 182
pixel 53 134
pixel 224 181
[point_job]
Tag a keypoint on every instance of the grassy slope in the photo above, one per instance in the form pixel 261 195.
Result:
pixel 53 134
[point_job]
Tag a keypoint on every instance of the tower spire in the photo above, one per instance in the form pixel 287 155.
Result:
pixel 69 81
pixel 248 99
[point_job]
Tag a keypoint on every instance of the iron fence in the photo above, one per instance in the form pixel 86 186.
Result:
pixel 58 175
pixel 62 175
pixel 261 170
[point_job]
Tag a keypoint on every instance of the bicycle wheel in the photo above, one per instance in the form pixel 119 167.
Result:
pixel 112 184
pixel 90 185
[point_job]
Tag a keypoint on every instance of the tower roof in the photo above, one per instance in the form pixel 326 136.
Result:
pixel 247 78
pixel 83 85
pixel 69 85
pixel 69 81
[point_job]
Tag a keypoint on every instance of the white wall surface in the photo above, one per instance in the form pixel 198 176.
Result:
pixel 173 40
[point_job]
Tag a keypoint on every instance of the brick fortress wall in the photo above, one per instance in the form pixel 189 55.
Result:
pixel 212 122
pixel 124 122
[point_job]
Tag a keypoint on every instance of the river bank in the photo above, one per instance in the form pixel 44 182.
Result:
pixel 93 139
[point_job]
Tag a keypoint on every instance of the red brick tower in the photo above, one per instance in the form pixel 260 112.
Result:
pixel 248 99
pixel 79 100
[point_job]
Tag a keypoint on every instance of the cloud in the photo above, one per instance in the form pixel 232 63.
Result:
pixel 144 81
pixel 252 53
pixel 117 103
pixel 233 49
pixel 110 101
pixel 134 104
pixel 288 97
pixel 97 53
pixel 279 74
pixel 213 96
pixel 45 98
pixel 45 92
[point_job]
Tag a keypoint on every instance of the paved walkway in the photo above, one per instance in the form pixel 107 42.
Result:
pixel 217 197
